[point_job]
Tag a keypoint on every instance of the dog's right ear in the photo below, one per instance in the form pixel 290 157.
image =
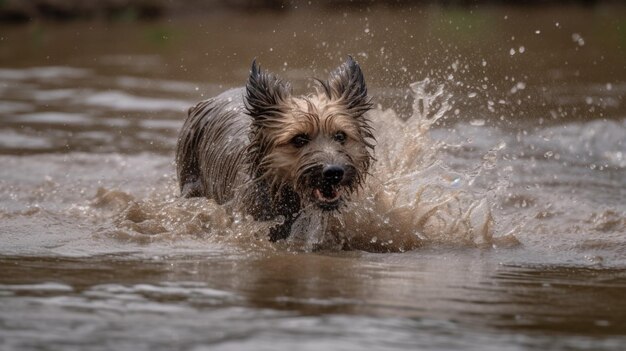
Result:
pixel 346 86
pixel 266 94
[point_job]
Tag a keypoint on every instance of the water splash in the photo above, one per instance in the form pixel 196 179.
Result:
pixel 312 231
pixel 411 198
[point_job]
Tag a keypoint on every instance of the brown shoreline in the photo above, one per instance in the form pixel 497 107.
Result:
pixel 19 11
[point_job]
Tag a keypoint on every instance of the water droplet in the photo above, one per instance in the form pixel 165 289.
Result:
pixel 578 39
pixel 455 183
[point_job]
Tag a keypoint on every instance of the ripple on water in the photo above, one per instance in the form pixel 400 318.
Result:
pixel 42 287
pixel 10 107
pixel 121 101
pixel 11 139
pixel 42 73
pixel 54 118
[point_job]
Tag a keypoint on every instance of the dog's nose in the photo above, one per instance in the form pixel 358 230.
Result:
pixel 333 174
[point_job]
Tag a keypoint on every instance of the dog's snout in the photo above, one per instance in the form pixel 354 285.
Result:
pixel 333 174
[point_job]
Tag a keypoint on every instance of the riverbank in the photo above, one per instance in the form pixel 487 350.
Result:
pixel 20 11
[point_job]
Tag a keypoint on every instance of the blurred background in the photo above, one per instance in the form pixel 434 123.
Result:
pixel 24 10
pixel 511 64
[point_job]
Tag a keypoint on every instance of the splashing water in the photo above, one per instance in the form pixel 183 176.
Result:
pixel 410 199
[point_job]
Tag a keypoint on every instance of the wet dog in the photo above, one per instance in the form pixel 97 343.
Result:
pixel 274 154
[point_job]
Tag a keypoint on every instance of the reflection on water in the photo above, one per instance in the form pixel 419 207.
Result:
pixel 509 207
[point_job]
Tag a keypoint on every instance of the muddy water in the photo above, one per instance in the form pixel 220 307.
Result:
pixel 494 218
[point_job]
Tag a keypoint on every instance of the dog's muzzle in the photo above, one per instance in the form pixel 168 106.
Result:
pixel 329 184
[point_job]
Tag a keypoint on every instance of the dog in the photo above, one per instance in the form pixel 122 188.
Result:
pixel 274 154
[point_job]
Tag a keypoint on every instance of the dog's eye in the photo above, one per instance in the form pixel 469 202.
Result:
pixel 300 140
pixel 340 137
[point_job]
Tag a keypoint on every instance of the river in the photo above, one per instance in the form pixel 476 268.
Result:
pixel 494 219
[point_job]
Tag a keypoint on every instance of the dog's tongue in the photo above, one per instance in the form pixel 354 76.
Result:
pixel 329 193
pixel 326 194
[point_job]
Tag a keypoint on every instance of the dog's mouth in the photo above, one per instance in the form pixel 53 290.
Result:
pixel 328 197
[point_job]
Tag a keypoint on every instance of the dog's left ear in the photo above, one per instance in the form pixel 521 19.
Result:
pixel 346 86
pixel 265 94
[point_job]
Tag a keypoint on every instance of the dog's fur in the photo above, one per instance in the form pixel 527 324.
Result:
pixel 275 153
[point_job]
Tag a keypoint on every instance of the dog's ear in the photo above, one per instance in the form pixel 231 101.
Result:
pixel 346 86
pixel 265 94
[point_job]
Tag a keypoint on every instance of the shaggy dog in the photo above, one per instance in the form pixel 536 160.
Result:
pixel 274 154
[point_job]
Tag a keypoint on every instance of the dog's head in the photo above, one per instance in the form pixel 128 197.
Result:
pixel 319 145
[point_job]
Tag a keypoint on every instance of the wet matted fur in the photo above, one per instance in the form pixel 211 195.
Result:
pixel 272 153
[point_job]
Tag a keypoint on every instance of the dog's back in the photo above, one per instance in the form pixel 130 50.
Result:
pixel 211 147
